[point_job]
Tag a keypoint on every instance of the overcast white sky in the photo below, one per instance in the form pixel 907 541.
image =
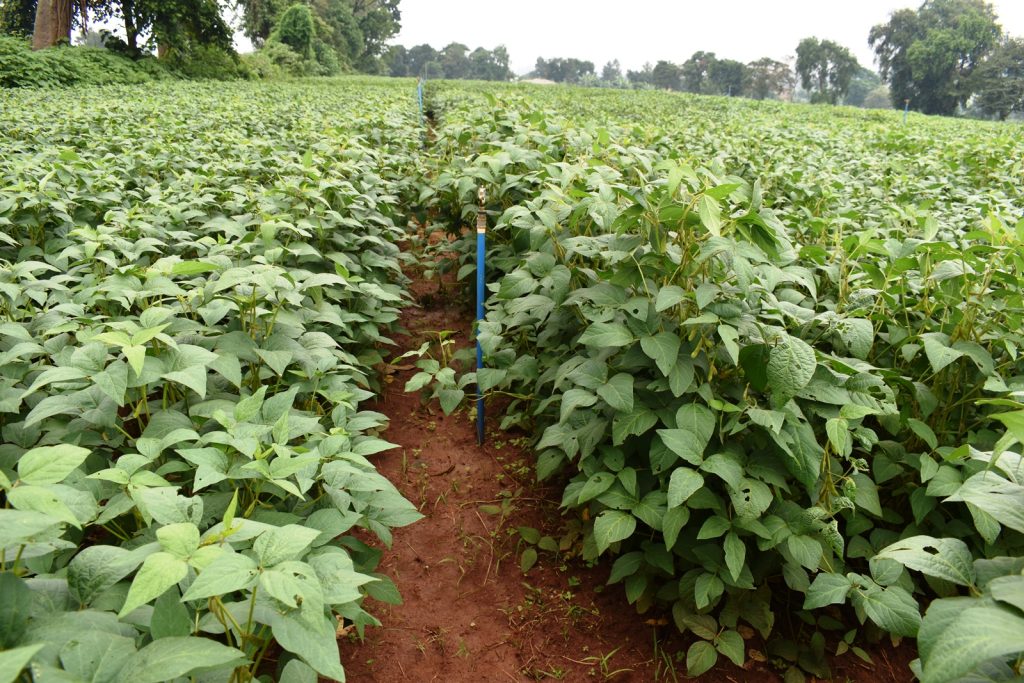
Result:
pixel 638 31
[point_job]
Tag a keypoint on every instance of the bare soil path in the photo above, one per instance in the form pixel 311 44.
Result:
pixel 469 611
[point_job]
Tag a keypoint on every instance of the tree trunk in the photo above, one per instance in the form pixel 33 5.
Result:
pixel 162 48
pixel 53 23
pixel 131 33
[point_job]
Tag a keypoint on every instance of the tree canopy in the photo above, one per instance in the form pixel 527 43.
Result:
pixel 928 55
pixel 999 80
pixel 825 69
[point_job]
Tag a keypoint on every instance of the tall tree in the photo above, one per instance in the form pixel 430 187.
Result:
pixel 17 17
pixel 455 60
pixel 728 77
pixel 643 77
pixel 612 71
pixel 563 70
pixel 667 76
pixel 927 56
pixel 359 29
pixel 52 23
pixel 297 29
pixel 397 58
pixel 696 71
pixel 999 80
pixel 338 27
pixel 259 18
pixel 768 78
pixel 864 81
pixel 167 24
pixel 418 58
pixel 825 68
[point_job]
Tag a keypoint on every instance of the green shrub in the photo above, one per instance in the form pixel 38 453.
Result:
pixel 276 61
pixel 296 29
pixel 20 66
pixel 206 62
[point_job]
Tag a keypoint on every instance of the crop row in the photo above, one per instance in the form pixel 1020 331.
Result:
pixel 763 348
pixel 196 284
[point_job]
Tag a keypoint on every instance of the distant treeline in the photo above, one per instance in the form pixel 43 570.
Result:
pixel 453 61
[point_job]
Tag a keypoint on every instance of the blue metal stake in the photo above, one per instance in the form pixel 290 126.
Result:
pixel 419 96
pixel 481 291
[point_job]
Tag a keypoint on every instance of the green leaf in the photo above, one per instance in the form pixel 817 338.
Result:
pixel 170 617
pixel 12 662
pixel 975 636
pixel 838 431
pixel 96 656
pixel 1000 498
pixel 113 381
pixel 698 419
pixel 280 544
pixel 683 483
pixel 805 550
pixel 893 609
pixel 791 364
pixel 180 540
pixel 618 392
pixel 802 454
pixel 159 572
pixel 754 361
pixel 735 556
pixel 924 432
pixel 41 499
pixel 1008 589
pixel 297 671
pixel 730 336
pixel 450 399
pixel 418 381
pixel 228 573
pixel 169 658
pixel 685 444
pixel 672 523
pixel 597 484
pixel 725 467
pixel 98 567
pixel 858 334
pixel 700 658
pixel 944 558
pixel 15 609
pixel 192 268
pixel 278 361
pixel 612 526
pixel 827 589
pixel 528 559
pixel 669 296
pixel 312 637
pixel 663 349
pixel 711 216
pixel 730 644
pixel 936 347
pixel 50 464
pixel 606 335
pixel 573 399
pixel 867 494
pixel 633 423
pixel 136 357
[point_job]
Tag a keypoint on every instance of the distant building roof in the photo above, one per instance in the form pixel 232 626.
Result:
pixel 538 81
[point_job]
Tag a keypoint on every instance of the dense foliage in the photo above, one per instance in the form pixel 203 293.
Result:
pixel 196 285
pixel 453 61
pixel 772 354
pixel 20 66
pixel 928 55
pixel 766 349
